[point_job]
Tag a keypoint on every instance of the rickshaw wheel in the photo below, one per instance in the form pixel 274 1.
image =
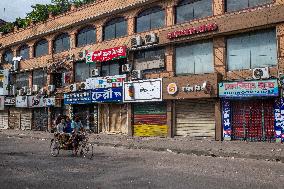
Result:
pixel 54 147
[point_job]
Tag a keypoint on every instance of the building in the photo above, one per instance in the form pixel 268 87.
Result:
pixel 207 68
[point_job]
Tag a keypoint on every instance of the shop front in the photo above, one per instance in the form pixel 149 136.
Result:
pixel 149 113
pixel 21 116
pixel 4 114
pixel 194 99
pixel 249 110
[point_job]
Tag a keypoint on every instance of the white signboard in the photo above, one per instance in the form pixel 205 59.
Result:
pixel 49 102
pixel 35 101
pixel 105 82
pixel 2 102
pixel 21 101
pixel 142 91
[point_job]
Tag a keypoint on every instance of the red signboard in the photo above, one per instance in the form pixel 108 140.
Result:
pixel 193 30
pixel 108 54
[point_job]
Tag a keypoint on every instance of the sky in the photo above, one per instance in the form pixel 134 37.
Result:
pixel 12 9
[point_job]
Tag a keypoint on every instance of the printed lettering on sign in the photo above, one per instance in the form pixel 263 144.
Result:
pixel 226 118
pixel 107 95
pixel 78 98
pixel 106 55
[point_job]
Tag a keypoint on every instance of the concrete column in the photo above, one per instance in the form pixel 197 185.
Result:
pixel 31 79
pixel 129 120
pixel 280 42
pixel 170 15
pixel 131 25
pixel 219 46
pixel 50 46
pixel 218 7
pixel 99 33
pixel 218 121
pixel 170 118
pixel 72 40
pixel 169 58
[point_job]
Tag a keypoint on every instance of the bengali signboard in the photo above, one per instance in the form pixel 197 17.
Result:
pixel 106 55
pixel 142 90
pixel 249 88
pixel 106 82
pixel 107 95
pixel 10 101
pixel 78 98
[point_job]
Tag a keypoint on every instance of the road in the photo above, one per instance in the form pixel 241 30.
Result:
pixel 25 163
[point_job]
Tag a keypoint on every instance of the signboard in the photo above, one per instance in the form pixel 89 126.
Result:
pixel 193 31
pixel 279 120
pixel 106 82
pixel 4 82
pixel 35 101
pixel 107 95
pixel 49 102
pixel 22 101
pixel 249 88
pixel 172 88
pixel 2 102
pixel 142 90
pixel 10 101
pixel 106 55
pixel 78 98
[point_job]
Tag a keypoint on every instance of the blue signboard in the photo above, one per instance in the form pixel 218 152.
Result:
pixel 249 88
pixel 78 98
pixel 107 95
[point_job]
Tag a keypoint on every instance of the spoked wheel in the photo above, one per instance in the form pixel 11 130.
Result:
pixel 87 150
pixel 54 147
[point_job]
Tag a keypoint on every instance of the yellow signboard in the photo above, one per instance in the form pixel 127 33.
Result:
pixel 150 130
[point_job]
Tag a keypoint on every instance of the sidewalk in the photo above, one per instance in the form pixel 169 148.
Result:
pixel 234 149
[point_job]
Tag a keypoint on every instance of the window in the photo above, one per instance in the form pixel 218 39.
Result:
pixel 83 71
pixel 151 60
pixel 8 56
pixel 24 52
pixel 196 58
pixel 39 78
pixel 192 9
pixel 112 68
pixel 86 36
pixel 234 5
pixel 115 28
pixel 22 80
pixel 252 50
pixel 41 48
pixel 150 19
pixel 61 43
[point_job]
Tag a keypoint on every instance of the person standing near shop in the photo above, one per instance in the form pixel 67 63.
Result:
pixel 68 128
pixel 76 125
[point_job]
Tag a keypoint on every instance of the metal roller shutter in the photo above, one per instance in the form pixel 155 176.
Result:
pixel 40 119
pixel 14 119
pixel 150 119
pixel 4 119
pixel 26 120
pixel 195 118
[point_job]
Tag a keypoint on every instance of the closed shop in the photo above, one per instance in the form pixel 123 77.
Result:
pixel 195 118
pixel 26 119
pixel 40 119
pixel 113 118
pixel 4 120
pixel 87 114
pixel 150 119
pixel 14 119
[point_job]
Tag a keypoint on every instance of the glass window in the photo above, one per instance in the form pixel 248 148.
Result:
pixel 150 19
pixel 150 54
pixel 252 50
pixel 234 5
pixel 86 36
pixel 196 58
pixel 41 48
pixel 24 52
pixel 61 43
pixel 8 56
pixel 22 80
pixel 192 9
pixel 115 28
pixel 39 78
pixel 112 68
pixel 83 71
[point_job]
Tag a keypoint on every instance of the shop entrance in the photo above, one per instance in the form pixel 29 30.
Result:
pixel 253 120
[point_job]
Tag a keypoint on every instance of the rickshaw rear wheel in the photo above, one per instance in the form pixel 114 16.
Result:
pixel 54 147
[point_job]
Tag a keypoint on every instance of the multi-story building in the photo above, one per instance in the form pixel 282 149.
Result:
pixel 203 68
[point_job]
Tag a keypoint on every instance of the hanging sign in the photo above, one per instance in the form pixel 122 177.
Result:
pixel 226 120
pixel 106 55
pixel 78 98
pixel 22 101
pixel 35 101
pixel 142 90
pixel 106 82
pixel 193 31
pixel 107 95
pixel 249 88
pixel 10 101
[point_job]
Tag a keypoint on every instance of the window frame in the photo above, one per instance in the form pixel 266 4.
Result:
pixel 84 31
pixel 114 22
pixel 25 46
pixel 245 8
pixel 5 53
pixel 61 38
pixel 41 42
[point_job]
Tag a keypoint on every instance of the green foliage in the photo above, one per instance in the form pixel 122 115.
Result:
pixel 41 12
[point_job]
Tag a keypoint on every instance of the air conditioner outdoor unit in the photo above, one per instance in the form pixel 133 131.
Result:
pixel 260 73
pixel 73 87
pixel 29 91
pixel 51 88
pixel 151 38
pixel 136 41
pixel 125 68
pixel 136 74
pixel 35 88
pixel 95 73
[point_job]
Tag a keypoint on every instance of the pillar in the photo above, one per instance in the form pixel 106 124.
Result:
pixel 131 25
pixel 219 46
pixel 99 33
pixel 129 120
pixel 218 121
pixel 170 15
pixel 218 7
pixel 72 40
pixel 169 57
pixel 50 46
pixel 171 118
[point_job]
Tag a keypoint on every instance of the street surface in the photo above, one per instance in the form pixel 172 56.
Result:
pixel 25 163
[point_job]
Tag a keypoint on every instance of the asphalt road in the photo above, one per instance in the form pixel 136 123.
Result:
pixel 26 163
